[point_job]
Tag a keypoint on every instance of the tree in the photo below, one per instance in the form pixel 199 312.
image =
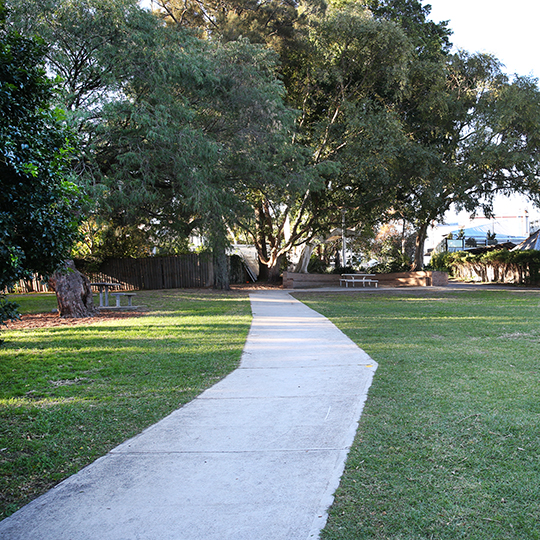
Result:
pixel 357 71
pixel 484 139
pixel 459 130
pixel 269 169
pixel 38 201
pixel 182 130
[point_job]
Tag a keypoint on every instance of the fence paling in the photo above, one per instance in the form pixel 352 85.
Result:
pixel 174 272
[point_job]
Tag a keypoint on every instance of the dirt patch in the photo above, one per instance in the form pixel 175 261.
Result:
pixel 48 320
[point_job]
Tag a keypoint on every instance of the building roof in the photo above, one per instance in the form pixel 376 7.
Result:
pixel 533 242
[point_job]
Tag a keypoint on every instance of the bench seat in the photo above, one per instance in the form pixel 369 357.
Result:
pixel 128 295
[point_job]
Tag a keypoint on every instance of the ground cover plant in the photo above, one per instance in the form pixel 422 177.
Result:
pixel 68 394
pixel 448 445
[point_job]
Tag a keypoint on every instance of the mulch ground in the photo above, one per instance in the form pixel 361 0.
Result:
pixel 47 320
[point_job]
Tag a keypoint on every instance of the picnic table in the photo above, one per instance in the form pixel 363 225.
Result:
pixel 364 279
pixel 103 287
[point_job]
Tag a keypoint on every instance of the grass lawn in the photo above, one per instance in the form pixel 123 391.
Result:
pixel 69 394
pixel 34 302
pixel 448 446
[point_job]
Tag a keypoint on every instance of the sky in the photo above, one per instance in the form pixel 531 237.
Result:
pixel 508 30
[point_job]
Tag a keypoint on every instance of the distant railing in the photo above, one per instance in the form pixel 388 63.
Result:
pixel 473 242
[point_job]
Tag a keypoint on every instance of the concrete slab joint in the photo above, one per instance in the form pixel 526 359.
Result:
pixel 257 456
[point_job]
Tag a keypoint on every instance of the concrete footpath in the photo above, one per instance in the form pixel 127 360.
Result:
pixel 256 457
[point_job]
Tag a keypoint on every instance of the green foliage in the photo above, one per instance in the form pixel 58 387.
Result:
pixel 316 265
pixel 441 261
pixel 8 311
pixel 430 38
pixel 401 263
pixel 528 261
pixel 344 270
pixel 466 141
pixel 38 202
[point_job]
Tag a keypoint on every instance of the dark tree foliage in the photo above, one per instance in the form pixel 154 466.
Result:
pixel 37 219
pixel 429 38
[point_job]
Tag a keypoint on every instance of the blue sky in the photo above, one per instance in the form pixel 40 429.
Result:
pixel 508 30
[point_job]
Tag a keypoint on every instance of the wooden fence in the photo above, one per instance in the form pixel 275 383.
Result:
pixel 178 272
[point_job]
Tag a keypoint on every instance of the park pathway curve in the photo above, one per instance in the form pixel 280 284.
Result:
pixel 256 457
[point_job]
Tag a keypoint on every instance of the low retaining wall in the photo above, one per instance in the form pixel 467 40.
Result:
pixel 292 280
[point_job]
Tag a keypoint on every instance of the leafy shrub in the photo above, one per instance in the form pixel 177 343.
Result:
pixel 401 263
pixel 344 270
pixel 441 262
pixel 8 311
pixel 316 265
pixel 527 260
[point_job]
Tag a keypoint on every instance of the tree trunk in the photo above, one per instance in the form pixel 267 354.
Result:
pixel 274 271
pixel 262 249
pixel 418 263
pixel 263 271
pixel 221 268
pixel 302 266
pixel 73 293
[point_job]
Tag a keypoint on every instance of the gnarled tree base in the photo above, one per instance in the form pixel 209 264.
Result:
pixel 73 292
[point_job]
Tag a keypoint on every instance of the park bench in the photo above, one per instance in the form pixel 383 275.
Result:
pixel 364 279
pixel 128 295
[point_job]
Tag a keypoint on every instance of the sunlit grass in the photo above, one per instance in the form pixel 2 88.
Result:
pixel 34 302
pixel 448 445
pixel 69 394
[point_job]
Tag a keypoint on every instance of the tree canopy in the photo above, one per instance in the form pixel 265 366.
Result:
pixel 38 200
pixel 278 118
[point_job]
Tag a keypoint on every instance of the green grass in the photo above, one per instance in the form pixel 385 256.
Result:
pixel 69 394
pixel 34 302
pixel 448 446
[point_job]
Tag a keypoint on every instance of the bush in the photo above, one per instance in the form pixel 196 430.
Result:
pixel 529 259
pixel 8 311
pixel 316 265
pixel 401 263
pixel 441 262
pixel 344 270
pixel 237 274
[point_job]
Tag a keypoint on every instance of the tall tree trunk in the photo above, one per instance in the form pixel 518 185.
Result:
pixel 421 233
pixel 218 241
pixel 274 270
pixel 262 248
pixel 73 292
pixel 221 269
pixel 263 271
pixel 302 266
